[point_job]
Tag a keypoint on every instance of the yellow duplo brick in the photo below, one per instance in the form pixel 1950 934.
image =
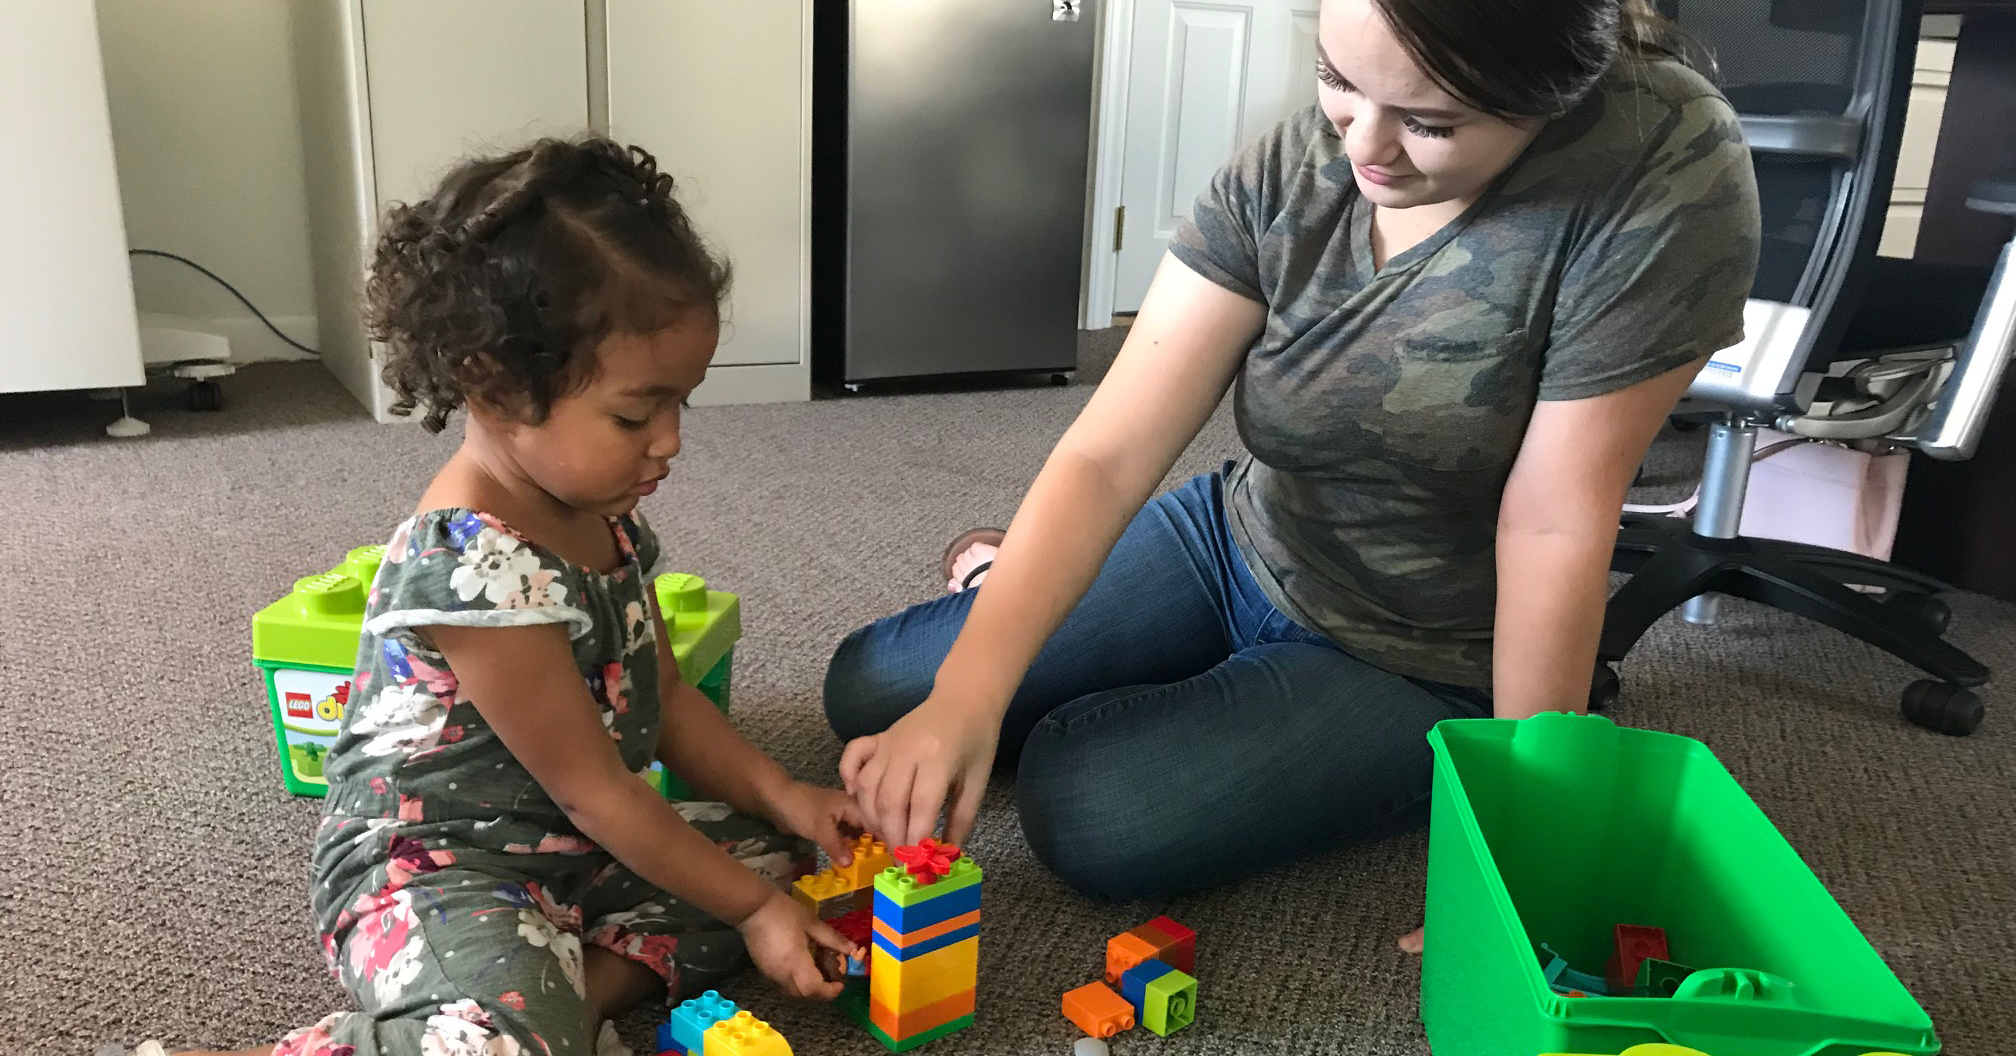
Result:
pixel 744 1035
pixel 907 985
pixel 826 893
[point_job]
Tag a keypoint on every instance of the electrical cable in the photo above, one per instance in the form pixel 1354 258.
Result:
pixel 246 301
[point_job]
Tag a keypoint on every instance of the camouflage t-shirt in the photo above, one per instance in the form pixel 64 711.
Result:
pixel 1382 408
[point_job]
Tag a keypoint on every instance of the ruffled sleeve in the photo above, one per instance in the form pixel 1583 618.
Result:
pixel 460 568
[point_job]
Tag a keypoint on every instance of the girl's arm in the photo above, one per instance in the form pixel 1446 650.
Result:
pixel 1180 355
pixel 524 683
pixel 698 743
pixel 1557 528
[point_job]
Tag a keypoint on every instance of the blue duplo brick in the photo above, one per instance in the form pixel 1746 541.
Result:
pixel 1134 984
pixel 926 913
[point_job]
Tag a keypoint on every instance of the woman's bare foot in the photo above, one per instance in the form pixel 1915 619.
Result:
pixel 969 556
pixel 1413 941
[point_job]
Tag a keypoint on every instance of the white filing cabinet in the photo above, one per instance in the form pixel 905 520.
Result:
pixel 67 319
pixel 394 92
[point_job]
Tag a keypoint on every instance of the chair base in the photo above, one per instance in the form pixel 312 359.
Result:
pixel 1670 564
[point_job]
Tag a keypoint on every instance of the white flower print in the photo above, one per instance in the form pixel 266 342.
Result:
pixel 646 911
pixel 389 983
pixel 401 720
pixel 498 567
pixel 566 947
pixel 775 866
pixel 636 628
pixel 464 1029
pixel 696 812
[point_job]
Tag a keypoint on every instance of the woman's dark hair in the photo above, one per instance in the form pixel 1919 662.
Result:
pixel 1528 58
pixel 499 286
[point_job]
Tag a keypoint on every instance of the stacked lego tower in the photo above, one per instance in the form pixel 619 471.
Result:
pixel 924 955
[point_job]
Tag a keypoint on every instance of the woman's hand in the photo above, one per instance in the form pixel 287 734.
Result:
pixel 782 936
pixel 902 776
pixel 826 816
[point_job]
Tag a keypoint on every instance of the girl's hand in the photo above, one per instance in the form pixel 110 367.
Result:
pixel 826 816
pixel 902 776
pixel 781 936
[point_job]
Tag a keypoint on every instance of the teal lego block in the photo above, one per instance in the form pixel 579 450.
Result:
pixel 690 1020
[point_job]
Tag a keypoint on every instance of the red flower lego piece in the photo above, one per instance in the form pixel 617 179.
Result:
pixel 927 861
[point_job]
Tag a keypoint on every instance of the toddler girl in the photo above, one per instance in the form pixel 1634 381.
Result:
pixel 492 875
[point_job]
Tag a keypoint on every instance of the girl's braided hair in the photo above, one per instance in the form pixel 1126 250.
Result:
pixel 498 287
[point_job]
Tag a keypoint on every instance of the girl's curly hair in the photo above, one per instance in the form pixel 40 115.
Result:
pixel 498 287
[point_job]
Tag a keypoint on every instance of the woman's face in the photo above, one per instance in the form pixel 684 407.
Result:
pixel 1410 142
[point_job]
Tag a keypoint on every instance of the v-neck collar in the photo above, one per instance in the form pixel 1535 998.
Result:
pixel 1362 211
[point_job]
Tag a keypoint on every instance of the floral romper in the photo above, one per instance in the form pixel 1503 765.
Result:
pixel 454 898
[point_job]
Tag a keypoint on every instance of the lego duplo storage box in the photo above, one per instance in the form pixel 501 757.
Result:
pixel 306 646
pixel 1556 828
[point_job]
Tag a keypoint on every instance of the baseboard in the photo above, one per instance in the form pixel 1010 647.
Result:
pixel 744 383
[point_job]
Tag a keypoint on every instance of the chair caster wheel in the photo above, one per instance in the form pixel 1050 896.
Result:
pixel 206 395
pixel 1927 610
pixel 1943 707
pixel 1604 688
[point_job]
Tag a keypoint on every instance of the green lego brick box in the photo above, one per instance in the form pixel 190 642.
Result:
pixel 1557 828
pixel 305 644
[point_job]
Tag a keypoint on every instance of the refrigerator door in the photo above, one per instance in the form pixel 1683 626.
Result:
pixel 968 133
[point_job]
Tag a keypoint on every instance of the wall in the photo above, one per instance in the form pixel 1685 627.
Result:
pixel 207 130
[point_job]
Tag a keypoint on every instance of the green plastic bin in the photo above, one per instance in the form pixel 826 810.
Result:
pixel 1557 828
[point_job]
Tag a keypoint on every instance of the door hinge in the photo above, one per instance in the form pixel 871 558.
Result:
pixel 1119 227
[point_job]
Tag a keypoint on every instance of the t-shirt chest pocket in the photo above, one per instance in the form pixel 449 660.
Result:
pixel 1456 402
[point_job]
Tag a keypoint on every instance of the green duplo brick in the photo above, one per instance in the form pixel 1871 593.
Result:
pixel 904 890
pixel 1170 1003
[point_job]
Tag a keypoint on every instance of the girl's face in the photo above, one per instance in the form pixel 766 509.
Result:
pixel 1410 142
pixel 605 446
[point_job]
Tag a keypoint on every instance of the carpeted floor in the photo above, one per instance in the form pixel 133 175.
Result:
pixel 154 880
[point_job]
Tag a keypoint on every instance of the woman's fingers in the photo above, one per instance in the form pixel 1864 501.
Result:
pixel 859 751
pixel 965 809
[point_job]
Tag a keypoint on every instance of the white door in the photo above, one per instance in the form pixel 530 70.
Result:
pixel 1203 80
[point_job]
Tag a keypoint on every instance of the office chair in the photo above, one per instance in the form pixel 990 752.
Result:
pixel 1839 346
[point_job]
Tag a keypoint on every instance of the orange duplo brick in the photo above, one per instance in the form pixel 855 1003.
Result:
pixel 1124 952
pixel 919 1020
pixel 1098 1011
pixel 947 927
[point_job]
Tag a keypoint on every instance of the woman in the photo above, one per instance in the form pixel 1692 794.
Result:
pixel 1457 299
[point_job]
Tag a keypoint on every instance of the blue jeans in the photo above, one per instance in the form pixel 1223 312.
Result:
pixel 1177 731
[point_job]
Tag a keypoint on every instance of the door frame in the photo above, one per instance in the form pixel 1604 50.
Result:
pixel 1109 149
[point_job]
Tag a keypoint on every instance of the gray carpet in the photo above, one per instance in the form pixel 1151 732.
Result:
pixel 154 880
